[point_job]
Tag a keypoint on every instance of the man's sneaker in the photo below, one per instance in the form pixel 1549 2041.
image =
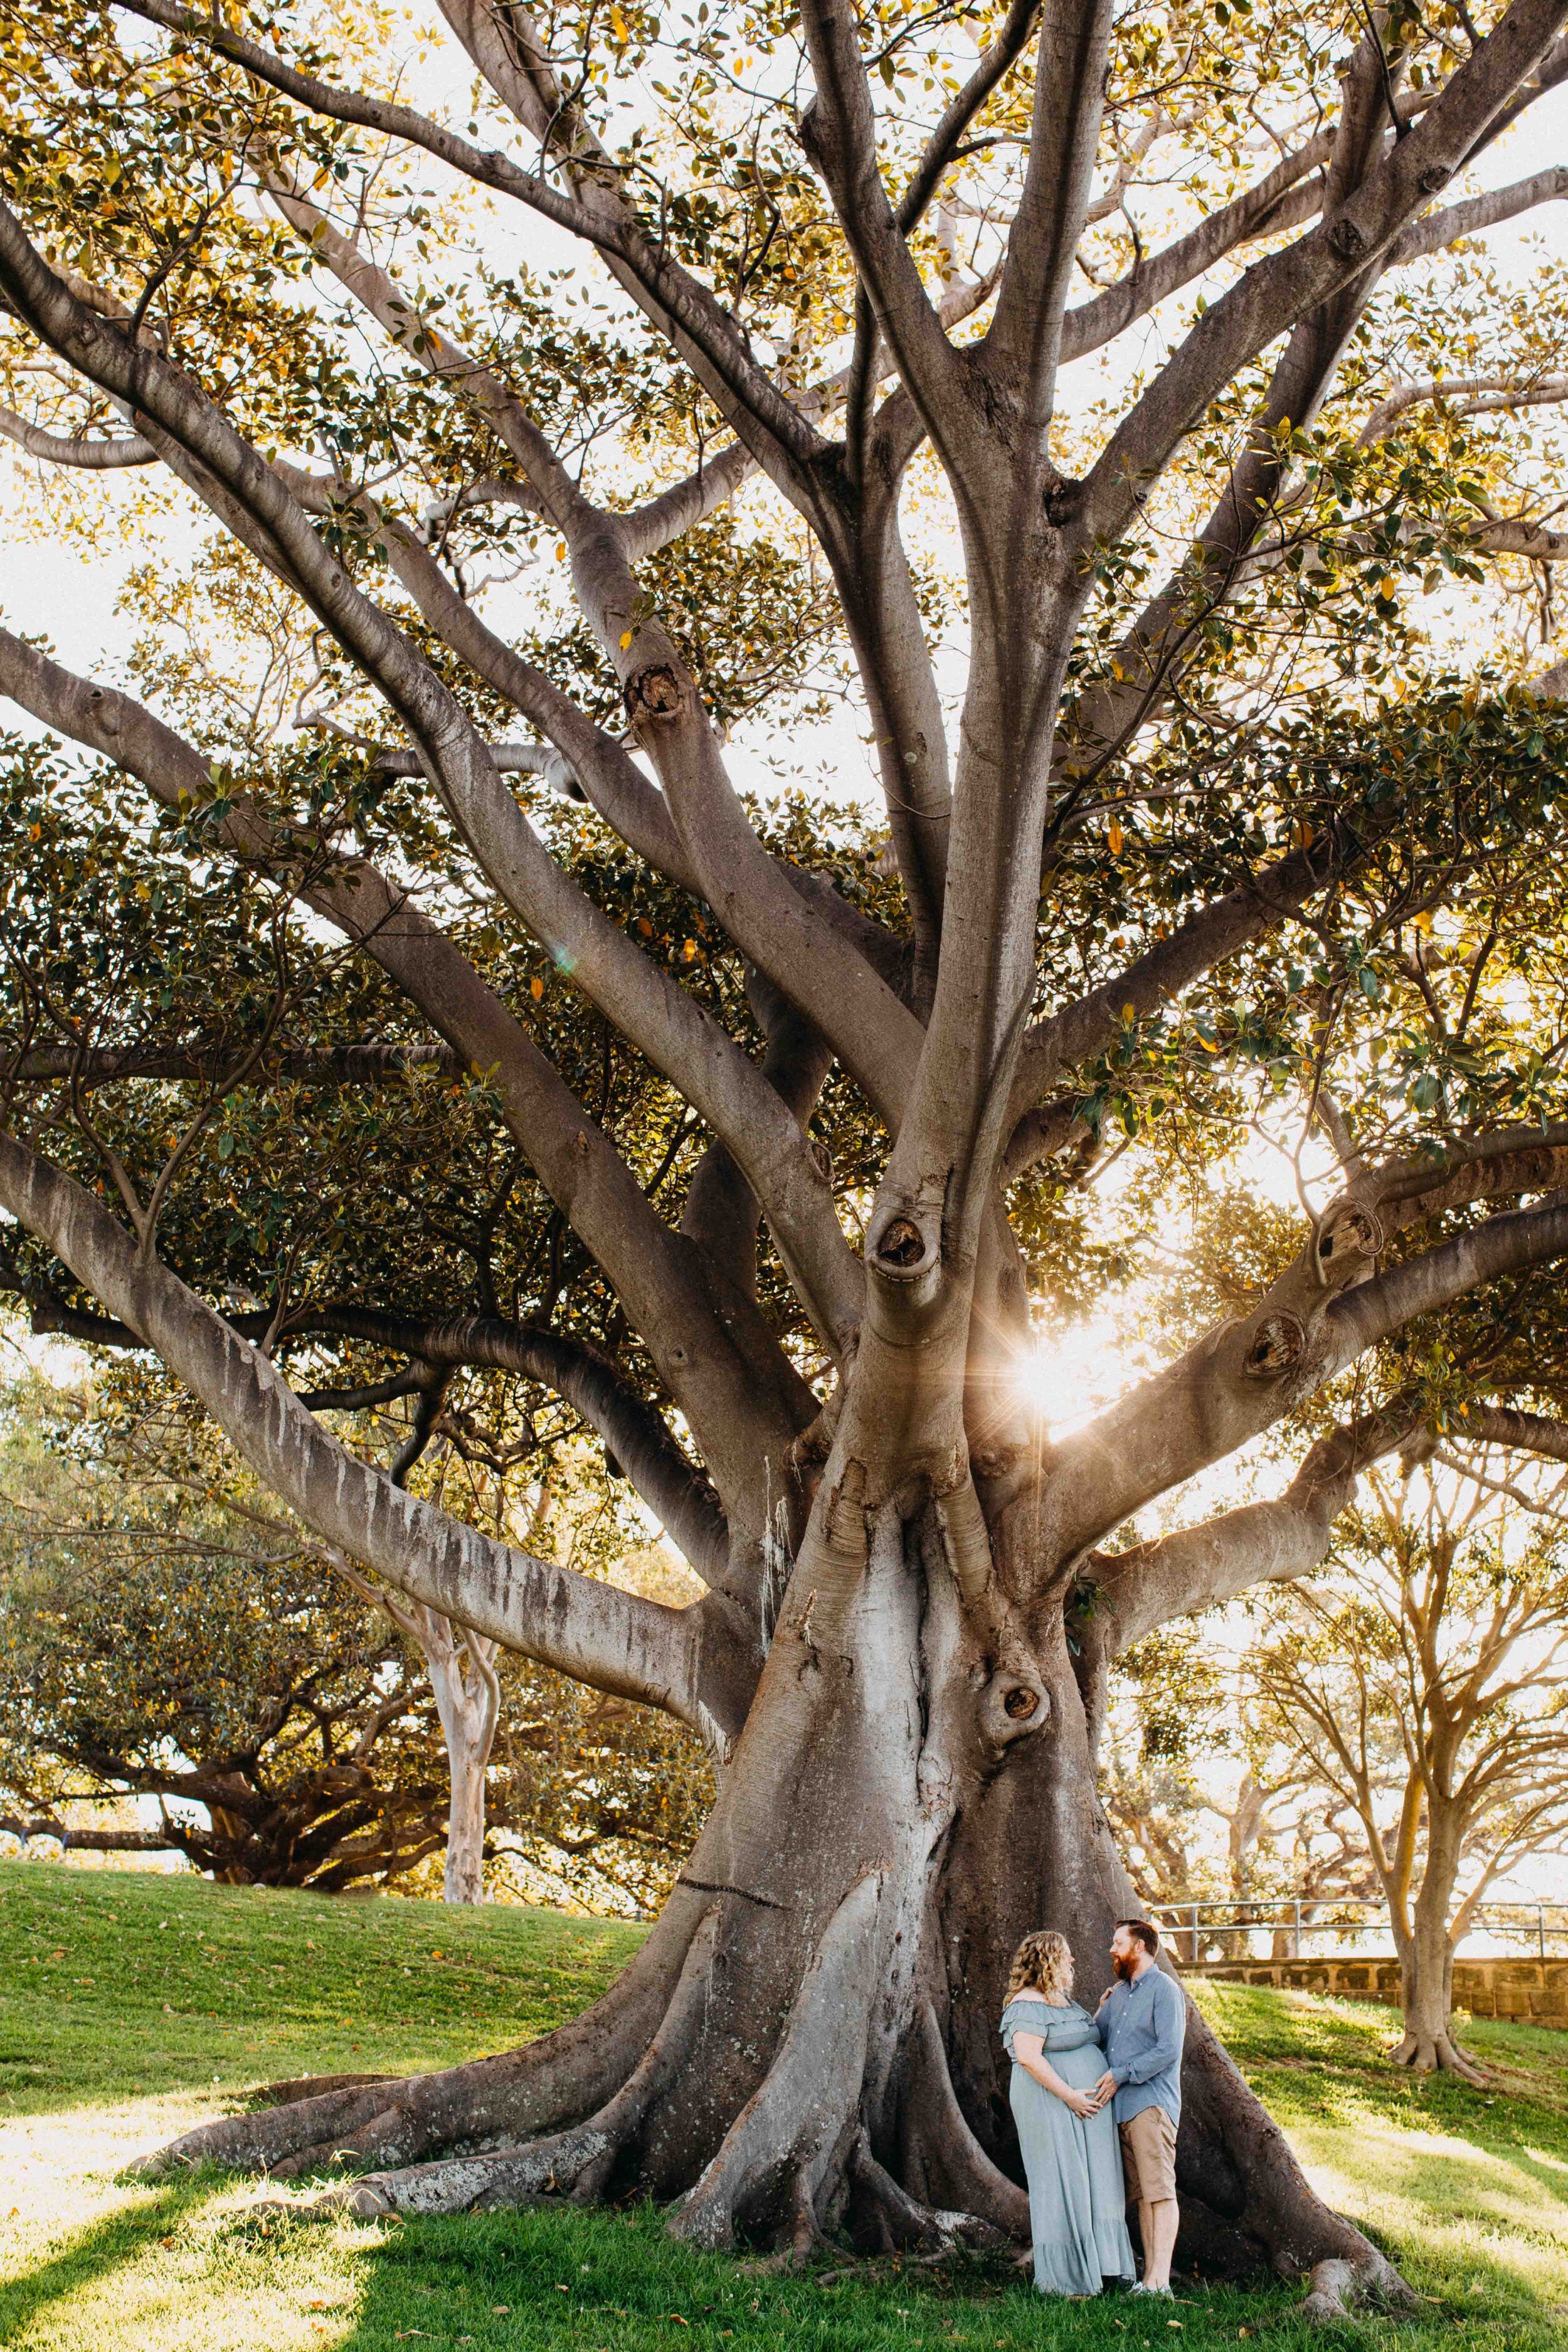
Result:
pixel 1141 2289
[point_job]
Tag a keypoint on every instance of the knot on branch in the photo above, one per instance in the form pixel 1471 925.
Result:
pixel 1347 1231
pixel 653 694
pixel 901 1247
pixel 1061 503
pixel 1436 176
pixel 1277 1347
pixel 808 129
pixel 821 1158
pixel 1011 1705
pixel 1346 240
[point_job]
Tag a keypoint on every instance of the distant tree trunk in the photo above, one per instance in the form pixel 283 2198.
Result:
pixel 463 1682
pixel 467 1700
pixel 1426 1948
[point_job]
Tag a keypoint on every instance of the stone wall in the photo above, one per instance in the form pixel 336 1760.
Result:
pixel 1529 1991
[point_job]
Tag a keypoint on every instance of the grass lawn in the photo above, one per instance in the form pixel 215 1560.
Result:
pixel 132 2005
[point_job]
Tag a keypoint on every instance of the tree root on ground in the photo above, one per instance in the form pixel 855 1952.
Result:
pixel 940 2156
pixel 389 2121
pixel 784 2141
pixel 579 2162
pixel 1438 2053
pixel 1338 2287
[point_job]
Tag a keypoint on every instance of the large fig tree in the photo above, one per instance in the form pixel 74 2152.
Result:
pixel 744 336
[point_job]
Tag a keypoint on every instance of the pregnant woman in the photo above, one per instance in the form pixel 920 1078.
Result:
pixel 1076 2209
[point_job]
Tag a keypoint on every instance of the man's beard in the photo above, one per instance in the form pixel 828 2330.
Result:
pixel 1122 1965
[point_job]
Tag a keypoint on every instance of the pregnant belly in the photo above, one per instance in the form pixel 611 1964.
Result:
pixel 1081 2067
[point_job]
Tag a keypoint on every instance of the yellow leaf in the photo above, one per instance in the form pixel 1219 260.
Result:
pixel 1424 919
pixel 625 639
pixel 1116 838
pixel 618 26
pixel 536 988
pixel 561 552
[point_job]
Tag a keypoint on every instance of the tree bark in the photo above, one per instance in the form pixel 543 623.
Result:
pixel 897 1814
pixel 1426 1993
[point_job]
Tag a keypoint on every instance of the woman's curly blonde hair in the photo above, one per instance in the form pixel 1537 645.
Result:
pixel 1042 1963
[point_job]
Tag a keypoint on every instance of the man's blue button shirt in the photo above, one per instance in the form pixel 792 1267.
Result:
pixel 1144 2025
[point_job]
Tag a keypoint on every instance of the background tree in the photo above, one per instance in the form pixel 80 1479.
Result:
pixel 1210 1806
pixel 1190 838
pixel 160 1639
pixel 158 1646
pixel 1422 1686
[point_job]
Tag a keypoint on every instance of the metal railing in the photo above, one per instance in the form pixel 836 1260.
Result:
pixel 1227 1929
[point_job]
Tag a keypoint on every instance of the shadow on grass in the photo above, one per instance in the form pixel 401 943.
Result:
pixel 604 2282
pixel 557 2280
pixel 92 2253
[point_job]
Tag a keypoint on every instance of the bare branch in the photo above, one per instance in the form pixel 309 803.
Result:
pixel 92 456
pixel 1274 1542
pixel 1024 340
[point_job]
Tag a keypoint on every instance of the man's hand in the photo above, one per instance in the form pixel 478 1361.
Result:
pixel 1104 2090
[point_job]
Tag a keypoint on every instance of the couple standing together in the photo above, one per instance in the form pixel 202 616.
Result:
pixel 1081 2082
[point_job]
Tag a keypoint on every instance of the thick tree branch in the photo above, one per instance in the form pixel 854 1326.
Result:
pixel 1520 1431
pixel 611 1640
pixel 742 1419
pixel 631 1431
pixel 838 131
pixel 1024 344
pixel 776 925
pixel 1274 1542
pixel 1302 1334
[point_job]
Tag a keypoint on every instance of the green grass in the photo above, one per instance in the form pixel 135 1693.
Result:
pixel 117 1983
pixel 1469 2190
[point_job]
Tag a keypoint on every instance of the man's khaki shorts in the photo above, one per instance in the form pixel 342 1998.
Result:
pixel 1149 2155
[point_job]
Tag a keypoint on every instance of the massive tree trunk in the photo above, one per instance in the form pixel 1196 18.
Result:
pixel 906 1733
pixel 806 2043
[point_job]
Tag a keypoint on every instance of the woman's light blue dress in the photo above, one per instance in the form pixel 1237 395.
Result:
pixel 1077 2200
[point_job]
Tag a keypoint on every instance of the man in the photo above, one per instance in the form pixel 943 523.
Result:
pixel 1144 2015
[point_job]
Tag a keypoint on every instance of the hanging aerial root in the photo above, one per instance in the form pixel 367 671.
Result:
pixel 784 2146
pixel 579 2161
pixel 390 2121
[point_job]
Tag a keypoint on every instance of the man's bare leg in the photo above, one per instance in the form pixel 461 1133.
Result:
pixel 1157 2225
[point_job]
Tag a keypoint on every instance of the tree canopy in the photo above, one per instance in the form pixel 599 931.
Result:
pixel 466 958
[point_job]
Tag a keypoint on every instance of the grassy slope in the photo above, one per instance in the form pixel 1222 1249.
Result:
pixel 1469 2190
